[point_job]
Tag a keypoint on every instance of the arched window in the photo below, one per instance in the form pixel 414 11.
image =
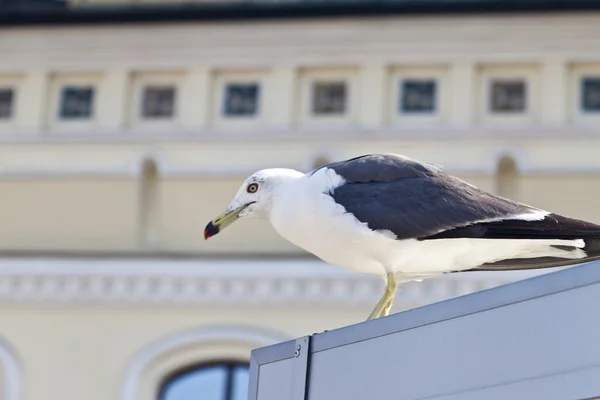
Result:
pixel 163 369
pixel 224 380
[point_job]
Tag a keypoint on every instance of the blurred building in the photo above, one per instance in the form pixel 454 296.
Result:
pixel 125 126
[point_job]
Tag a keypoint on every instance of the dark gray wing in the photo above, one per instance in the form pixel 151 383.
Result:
pixel 413 199
pixel 380 168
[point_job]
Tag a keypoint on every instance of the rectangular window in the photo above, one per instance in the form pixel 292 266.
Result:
pixel 508 96
pixel 158 102
pixel 590 94
pixel 329 98
pixel 241 99
pixel 76 102
pixel 418 96
pixel 6 103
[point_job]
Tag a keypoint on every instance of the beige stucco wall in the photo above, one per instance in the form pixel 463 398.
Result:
pixel 91 213
pixel 80 189
pixel 76 353
pixel 575 195
pixel 68 213
pixel 102 207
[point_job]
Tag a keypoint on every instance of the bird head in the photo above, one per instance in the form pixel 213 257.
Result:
pixel 253 199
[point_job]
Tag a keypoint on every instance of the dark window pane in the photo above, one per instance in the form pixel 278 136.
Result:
pixel 6 103
pixel 207 383
pixel 590 94
pixel 76 102
pixel 418 96
pixel 329 98
pixel 241 99
pixel 241 376
pixel 158 102
pixel 508 96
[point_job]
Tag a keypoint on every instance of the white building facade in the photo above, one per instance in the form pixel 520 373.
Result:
pixel 124 130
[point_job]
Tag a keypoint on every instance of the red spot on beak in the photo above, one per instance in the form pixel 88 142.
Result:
pixel 210 230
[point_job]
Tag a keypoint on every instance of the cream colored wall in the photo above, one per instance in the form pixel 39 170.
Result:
pixel 100 207
pixel 35 58
pixel 80 188
pixel 83 353
pixel 554 139
pixel 68 213
pixel 573 195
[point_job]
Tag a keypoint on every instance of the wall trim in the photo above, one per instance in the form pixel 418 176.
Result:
pixel 198 336
pixel 322 144
pixel 327 134
pixel 168 170
pixel 238 283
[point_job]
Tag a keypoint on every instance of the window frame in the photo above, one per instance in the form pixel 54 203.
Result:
pixel 438 74
pixel 226 89
pixel 141 80
pixel 578 115
pixel 230 363
pixel 308 77
pixel 522 83
pixel 12 91
pixel 65 91
pixel 342 83
pixel 13 83
pixel 58 82
pixel 582 82
pixel 529 74
pixel 222 79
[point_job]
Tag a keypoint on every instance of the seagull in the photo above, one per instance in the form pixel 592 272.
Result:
pixel 404 220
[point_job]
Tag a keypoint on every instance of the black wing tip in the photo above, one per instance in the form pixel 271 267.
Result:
pixel 552 226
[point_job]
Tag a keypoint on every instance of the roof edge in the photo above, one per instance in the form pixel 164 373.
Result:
pixel 257 10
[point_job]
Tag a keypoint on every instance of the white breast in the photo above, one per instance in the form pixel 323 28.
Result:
pixel 310 219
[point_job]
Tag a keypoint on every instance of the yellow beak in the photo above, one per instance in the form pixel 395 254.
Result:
pixel 223 221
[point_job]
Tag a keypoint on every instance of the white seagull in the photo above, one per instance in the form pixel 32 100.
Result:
pixel 404 220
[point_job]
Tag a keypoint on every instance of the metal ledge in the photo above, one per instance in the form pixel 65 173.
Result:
pixel 533 339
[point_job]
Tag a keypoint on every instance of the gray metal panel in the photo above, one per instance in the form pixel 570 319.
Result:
pixel 300 369
pixel 570 385
pixel 531 339
pixel 276 380
pixel 280 371
pixel 543 337
pixel 265 364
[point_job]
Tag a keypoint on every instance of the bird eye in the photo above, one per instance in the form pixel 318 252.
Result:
pixel 252 188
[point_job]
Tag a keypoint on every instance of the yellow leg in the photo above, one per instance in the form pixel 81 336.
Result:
pixel 386 311
pixel 384 306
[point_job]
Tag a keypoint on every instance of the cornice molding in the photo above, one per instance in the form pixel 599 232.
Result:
pixel 223 283
pixel 316 134
pixel 319 140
